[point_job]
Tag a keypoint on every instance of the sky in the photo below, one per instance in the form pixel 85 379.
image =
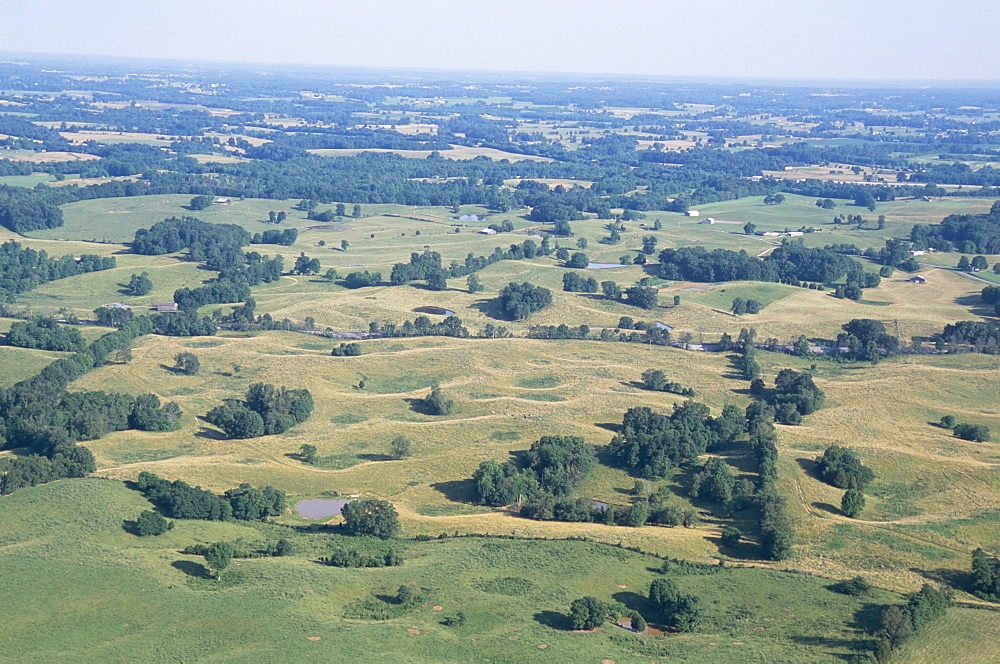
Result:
pixel 810 39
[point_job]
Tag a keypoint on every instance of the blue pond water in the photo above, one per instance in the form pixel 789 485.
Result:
pixel 602 266
pixel 320 508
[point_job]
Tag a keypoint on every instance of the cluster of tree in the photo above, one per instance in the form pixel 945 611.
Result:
pixel 265 411
pixel 977 433
pixel 202 240
pixel 794 395
pixel 425 266
pixel 518 301
pixel 352 349
pixel 991 295
pixel 776 528
pixel 371 517
pixel 139 285
pixel 843 469
pixel 421 326
pixel 22 269
pixel 970 234
pixel 356 558
pixel 791 263
pixel 985 576
pixel 866 339
pixel 654 379
pixel 651 444
pixel 574 283
pixel 285 238
pixel 899 623
pixel 983 336
pixel 679 610
pixel 44 333
pixel 183 325
pixel 561 331
pixel 221 291
pixel 305 265
pixel 180 500
pixel 362 279
pixel 551 469
pixel 741 306
pixel 715 481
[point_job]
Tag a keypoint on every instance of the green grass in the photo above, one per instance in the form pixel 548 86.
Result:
pixel 65 555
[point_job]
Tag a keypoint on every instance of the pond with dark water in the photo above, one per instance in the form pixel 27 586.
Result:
pixel 321 508
pixel 437 311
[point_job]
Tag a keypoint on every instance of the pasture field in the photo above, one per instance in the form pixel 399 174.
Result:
pixel 947 639
pixel 926 510
pixel 112 596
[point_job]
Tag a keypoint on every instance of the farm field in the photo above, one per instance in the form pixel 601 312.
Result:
pixel 66 553
pixel 737 502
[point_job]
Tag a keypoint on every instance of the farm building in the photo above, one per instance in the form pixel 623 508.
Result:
pixel 917 279
pixel 222 201
pixel 693 213
pixel 166 306
pixel 707 220
pixel 916 252
pixel 487 231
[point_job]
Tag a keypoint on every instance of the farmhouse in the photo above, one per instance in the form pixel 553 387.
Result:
pixel 487 231
pixel 166 306
pixel 917 279
pixel 693 213
pixel 916 252
pixel 222 201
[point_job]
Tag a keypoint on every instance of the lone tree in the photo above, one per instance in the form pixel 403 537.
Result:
pixel 218 556
pixel 399 448
pixel 308 453
pixel 853 503
pixel 200 202
pixel 371 517
pixel 139 284
pixel 186 363
pixel 437 402
pixel 150 523
pixel 587 613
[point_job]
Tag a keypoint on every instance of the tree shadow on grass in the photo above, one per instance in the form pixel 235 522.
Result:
pixel 553 619
pixel 868 618
pixel 810 467
pixel 458 491
pixel 211 434
pixel 131 527
pixel 192 569
pixel 377 457
pixel 828 508
pixel 852 646
pixel 636 602
pixel 953 578
pixel 418 405
pixel 609 426
pixel 490 308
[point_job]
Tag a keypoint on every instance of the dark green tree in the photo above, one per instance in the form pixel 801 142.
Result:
pixel 588 613
pixel 150 523
pixel 186 363
pixel 218 556
pixel 370 516
pixel 139 284
pixel 853 503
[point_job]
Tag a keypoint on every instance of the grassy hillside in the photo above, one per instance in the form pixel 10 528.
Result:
pixel 109 596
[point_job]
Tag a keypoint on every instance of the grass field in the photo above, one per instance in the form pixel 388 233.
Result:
pixel 107 595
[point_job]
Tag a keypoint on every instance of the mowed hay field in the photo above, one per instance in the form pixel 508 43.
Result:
pixel 928 508
pixel 78 587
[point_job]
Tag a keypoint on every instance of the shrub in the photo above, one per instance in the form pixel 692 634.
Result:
pixel 150 523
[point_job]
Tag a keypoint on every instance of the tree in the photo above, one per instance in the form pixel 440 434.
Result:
pixel 642 297
pixel 638 623
pixel 357 211
pixel 344 244
pixel 308 453
pixel 774 199
pixel 186 363
pixel 979 263
pixel 400 447
pixel 963 263
pixel 150 523
pixel 139 284
pixel 749 228
pixel 370 516
pixel 581 243
pixel 611 290
pixel 218 556
pixel 948 421
pixel 731 536
pixel 739 306
pixel 578 260
pixel 648 244
pixel 677 300
pixel 638 513
pixel 974 432
pixel 588 613
pixel 305 265
pixel 472 283
pixel 331 275
pixel 853 503
pixel 200 202
pixel 437 403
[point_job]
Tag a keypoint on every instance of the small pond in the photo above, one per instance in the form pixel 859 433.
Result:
pixel 663 326
pixel 321 508
pixel 437 311
pixel 602 266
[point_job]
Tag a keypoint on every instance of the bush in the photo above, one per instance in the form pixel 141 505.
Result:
pixel 853 503
pixel 150 523
pixel 371 517
pixel 437 403
pixel 841 467
pixel 856 586
pixel 974 432
pixel 731 535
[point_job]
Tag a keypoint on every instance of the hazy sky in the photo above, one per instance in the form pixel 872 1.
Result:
pixel 881 39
